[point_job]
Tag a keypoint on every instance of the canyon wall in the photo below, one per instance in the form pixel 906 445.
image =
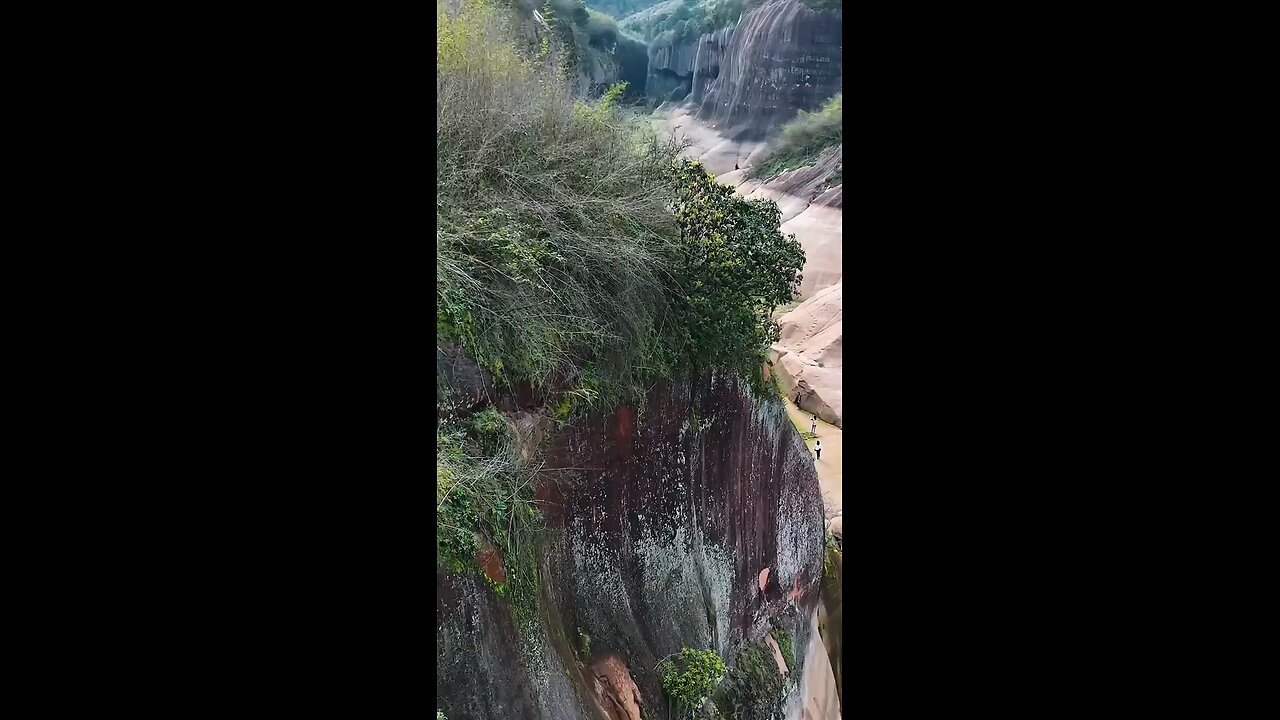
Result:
pixel 693 520
pixel 748 79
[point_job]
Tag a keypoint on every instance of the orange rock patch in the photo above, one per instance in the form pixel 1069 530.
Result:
pixel 491 562
pixel 777 655
pixel 615 689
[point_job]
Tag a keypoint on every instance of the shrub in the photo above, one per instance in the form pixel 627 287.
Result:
pixel 737 267
pixel 552 224
pixel 482 488
pixel 691 676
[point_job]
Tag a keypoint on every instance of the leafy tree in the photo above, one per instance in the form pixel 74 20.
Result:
pixel 737 267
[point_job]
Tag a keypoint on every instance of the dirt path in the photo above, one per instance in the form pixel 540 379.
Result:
pixel 831 466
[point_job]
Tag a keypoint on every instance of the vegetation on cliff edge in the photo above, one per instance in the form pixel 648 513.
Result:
pixel 690 677
pixel 803 139
pixel 680 21
pixel 573 250
pixel 753 687
pixel 574 253
pixel 686 20
pixel 586 43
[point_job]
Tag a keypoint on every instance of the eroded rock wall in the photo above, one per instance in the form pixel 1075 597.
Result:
pixel 662 521
pixel 746 80
pixel 682 71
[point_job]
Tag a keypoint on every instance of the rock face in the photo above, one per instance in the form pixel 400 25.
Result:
pixel 783 57
pixel 809 355
pixel 681 72
pixel 830 617
pixel 820 230
pixel 658 534
pixel 748 79
pixel 796 190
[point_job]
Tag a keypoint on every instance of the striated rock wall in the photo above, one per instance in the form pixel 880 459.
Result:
pixel 796 191
pixel 692 521
pixel 682 71
pixel 746 80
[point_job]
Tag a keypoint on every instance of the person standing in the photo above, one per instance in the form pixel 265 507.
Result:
pixel 817 449
pixel 813 425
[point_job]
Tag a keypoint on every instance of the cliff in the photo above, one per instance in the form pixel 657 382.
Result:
pixel 681 71
pixel 693 520
pixel 747 79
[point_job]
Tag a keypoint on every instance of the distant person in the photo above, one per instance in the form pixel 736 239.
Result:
pixel 813 424
pixel 817 449
pixel 797 398
pixel 735 166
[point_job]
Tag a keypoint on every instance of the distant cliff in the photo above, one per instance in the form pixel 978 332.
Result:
pixel 747 79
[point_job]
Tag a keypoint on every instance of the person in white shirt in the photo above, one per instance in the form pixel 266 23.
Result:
pixel 817 449
pixel 813 424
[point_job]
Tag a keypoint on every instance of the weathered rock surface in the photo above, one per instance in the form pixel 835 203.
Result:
pixel 658 534
pixel 820 230
pixel 795 190
pixel 718 153
pixel 808 356
pixel 747 79
pixel 782 57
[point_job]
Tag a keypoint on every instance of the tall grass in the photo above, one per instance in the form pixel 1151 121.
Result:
pixel 803 139
pixel 552 217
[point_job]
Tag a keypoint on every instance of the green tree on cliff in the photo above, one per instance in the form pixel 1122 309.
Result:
pixel 690 676
pixel 738 266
